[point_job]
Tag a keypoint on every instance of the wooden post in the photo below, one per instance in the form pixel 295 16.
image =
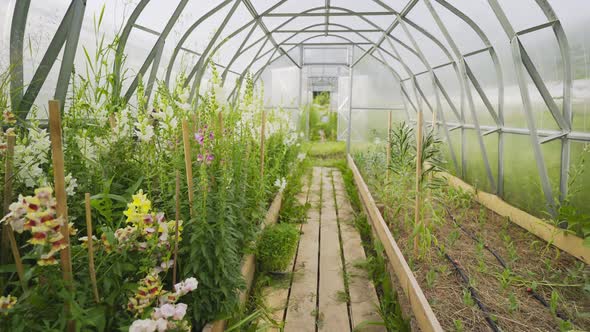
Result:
pixel 60 184
pixel 262 130
pixel 90 243
pixel 220 120
pixel 186 137
pixel 61 197
pixel 113 121
pixel 177 199
pixel 388 147
pixel 7 232
pixel 419 124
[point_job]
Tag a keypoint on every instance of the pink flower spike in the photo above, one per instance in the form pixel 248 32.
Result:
pixel 199 138
pixel 209 158
pixel 199 157
pixel 211 136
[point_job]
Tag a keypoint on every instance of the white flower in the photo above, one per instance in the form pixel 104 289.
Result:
pixel 281 184
pixel 30 155
pixel 71 184
pixel 167 310
pixel 179 311
pixel 185 95
pixel 143 325
pixel 146 134
pixel 167 265
pixel 161 325
pixel 290 139
pixel 191 284
pixel 301 156
pixel 186 286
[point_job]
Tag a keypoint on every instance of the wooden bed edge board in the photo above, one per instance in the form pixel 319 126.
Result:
pixel 569 243
pixel 423 313
pixel 249 263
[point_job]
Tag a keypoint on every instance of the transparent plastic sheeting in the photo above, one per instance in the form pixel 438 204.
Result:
pixel 502 78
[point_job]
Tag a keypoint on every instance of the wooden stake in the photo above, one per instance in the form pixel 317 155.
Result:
pixel 90 243
pixel 262 130
pixel 61 197
pixel 417 221
pixel 113 121
pixel 7 231
pixel 60 185
pixel 220 120
pixel 177 199
pixel 186 136
pixel 388 147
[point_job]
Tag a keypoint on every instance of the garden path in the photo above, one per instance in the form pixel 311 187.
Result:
pixel 329 289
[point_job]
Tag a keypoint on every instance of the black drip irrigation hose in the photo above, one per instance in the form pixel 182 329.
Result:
pixel 529 290
pixel 472 291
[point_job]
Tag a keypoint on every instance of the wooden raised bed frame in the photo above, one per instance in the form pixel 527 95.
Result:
pixel 425 317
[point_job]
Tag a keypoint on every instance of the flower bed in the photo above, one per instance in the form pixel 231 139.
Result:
pixel 127 258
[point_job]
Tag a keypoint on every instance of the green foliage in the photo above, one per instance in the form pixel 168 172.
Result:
pixel 276 247
pixel 323 123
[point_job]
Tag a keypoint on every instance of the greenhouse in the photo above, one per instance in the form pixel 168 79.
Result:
pixel 295 165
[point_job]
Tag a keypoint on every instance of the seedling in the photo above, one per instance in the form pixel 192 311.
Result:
pixel 513 305
pixel 430 278
pixel 467 299
pixel 458 325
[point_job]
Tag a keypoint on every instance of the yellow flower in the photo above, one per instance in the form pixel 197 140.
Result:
pixel 138 208
pixel 39 238
pixel 6 303
pixel 46 260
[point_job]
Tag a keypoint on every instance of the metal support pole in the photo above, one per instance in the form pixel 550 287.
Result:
pixel 350 79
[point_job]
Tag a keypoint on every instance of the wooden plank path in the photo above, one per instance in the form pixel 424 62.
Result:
pixel 330 246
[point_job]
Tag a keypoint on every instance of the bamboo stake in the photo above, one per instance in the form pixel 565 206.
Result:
pixel 113 121
pixel 188 162
pixel 60 185
pixel 177 199
pixel 262 130
pixel 91 248
pixel 7 232
pixel 220 119
pixel 57 157
pixel 417 221
pixel 388 148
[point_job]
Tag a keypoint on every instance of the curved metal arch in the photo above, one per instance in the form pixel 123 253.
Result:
pixel 200 66
pixel 418 27
pixel 270 60
pixel 305 40
pixel 187 34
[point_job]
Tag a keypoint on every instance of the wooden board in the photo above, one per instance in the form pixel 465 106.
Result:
pixel 363 297
pixel 425 317
pixel 302 302
pixel 332 309
pixel 569 243
pixel 276 299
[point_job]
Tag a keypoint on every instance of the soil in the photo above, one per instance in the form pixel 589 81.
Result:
pixel 531 262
